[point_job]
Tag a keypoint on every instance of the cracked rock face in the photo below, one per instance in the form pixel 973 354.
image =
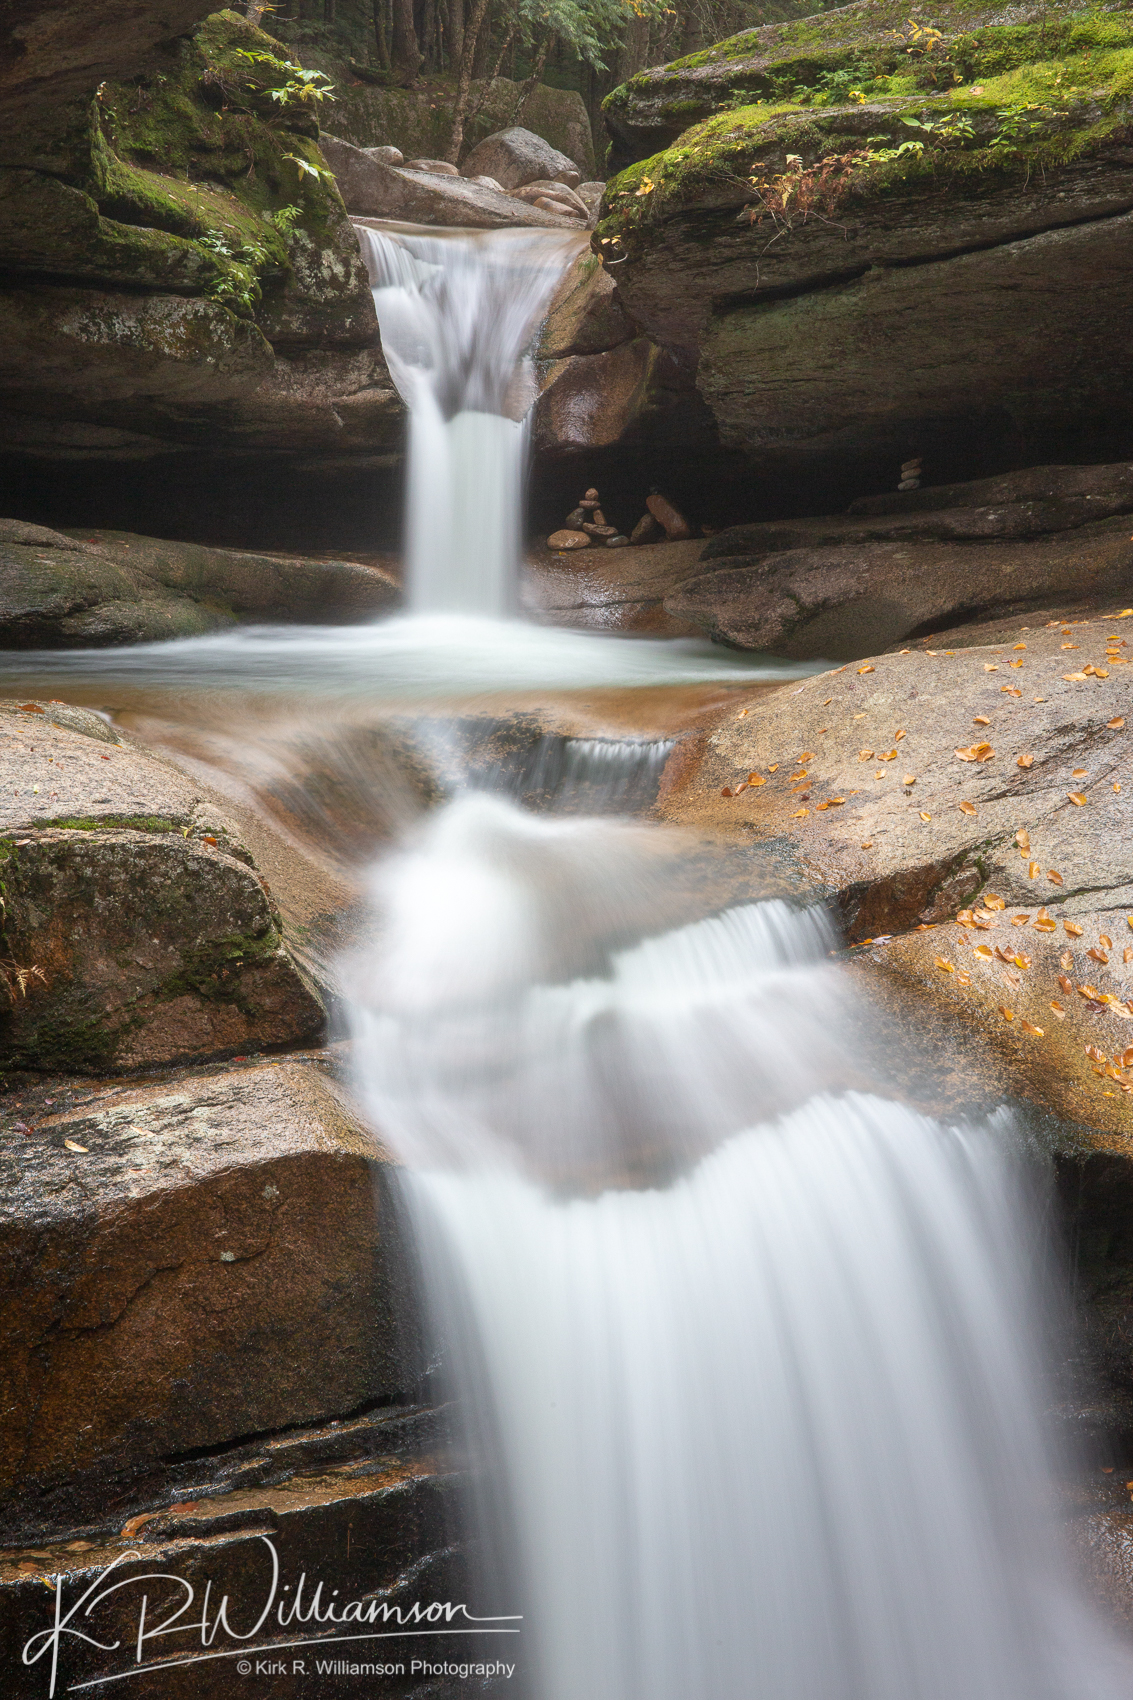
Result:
pixel 136 932
pixel 188 1263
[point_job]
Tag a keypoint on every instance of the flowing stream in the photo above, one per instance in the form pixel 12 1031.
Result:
pixel 748 1358
pixel 747 1352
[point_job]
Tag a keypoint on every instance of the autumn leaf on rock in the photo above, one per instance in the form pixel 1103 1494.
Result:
pixel 1059 1011
pixel 992 901
pixel 1073 929
pixel 1023 838
pixel 1026 760
pixel 981 720
pixel 1098 955
pixel 943 964
pixel 865 669
pixel 967 808
pixel 1054 875
pixel 1078 798
pixel 1029 1027
pixel 1007 1014
pixel 1116 725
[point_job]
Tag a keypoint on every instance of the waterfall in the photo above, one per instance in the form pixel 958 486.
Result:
pixel 747 1351
pixel 457 311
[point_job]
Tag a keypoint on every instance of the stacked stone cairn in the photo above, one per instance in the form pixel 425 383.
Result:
pixel 911 474
pixel 586 525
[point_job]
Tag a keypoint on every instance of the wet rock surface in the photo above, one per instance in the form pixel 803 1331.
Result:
pixel 61 591
pixel 928 560
pixel 900 787
pixel 168 1245
pixel 136 932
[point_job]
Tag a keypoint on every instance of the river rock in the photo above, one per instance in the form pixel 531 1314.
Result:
pixel 677 527
pixel 371 189
pixel 112 587
pixel 138 931
pixel 160 1267
pixel 647 530
pixel 552 191
pixel 915 562
pixel 568 540
pixel 517 156
pixel 387 155
pixel 436 167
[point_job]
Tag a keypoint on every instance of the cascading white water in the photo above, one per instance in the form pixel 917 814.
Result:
pixel 456 312
pixel 749 1356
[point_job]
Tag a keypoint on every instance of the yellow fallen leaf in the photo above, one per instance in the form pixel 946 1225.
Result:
pixel 967 808
pixel 1027 760
pixel 1078 773
pixel 981 720
pixel 865 755
pixel 1029 1027
pixel 867 844
pixel 1047 925
pixel 836 802
pixel 1101 672
pixel 819 806
pixel 1018 646
pixel 1116 724
pixel 909 779
pixel 1125 614
pixel 807 755
pixel 964 918
pixel 1073 929
pixel 924 816
pixel 1072 677
pixel 984 951
pixel 756 779
pixel 1054 876
pixel 865 669
pixel 1023 838
pixel 1078 798
pixel 1127 953
pixel 989 667
pixel 1105 941
pixel 1007 1014
pixel 799 812
pixel 899 734
pixel 1116 785
pixel 1059 1011
pixel 71 1146
pixel 889 755
pixel 943 964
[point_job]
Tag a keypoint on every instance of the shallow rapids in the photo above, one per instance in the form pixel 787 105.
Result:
pixel 748 1358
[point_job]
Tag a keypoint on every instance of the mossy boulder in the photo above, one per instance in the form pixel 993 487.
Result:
pixel 112 587
pixel 174 245
pixel 814 258
pixel 135 929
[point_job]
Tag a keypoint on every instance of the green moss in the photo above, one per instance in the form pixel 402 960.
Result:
pixel 1039 100
pixel 199 154
pixel 65 1047
pixel 109 823
pixel 214 972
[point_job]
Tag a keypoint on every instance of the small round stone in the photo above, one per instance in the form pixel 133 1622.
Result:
pixel 568 540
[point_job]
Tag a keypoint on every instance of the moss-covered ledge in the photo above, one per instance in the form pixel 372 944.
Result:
pixel 202 177
pixel 876 48
pixel 778 195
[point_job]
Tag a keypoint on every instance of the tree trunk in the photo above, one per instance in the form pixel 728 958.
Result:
pixel 404 51
pixel 455 31
pixel 528 88
pixel 487 84
pixel 483 46
pixel 464 80
pixel 330 10
pixel 380 34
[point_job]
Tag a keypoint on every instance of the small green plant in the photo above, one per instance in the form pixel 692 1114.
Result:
pixel 284 219
pixel 307 87
pixel 306 169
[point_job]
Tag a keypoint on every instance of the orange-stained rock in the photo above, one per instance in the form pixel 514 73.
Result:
pixel 568 540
